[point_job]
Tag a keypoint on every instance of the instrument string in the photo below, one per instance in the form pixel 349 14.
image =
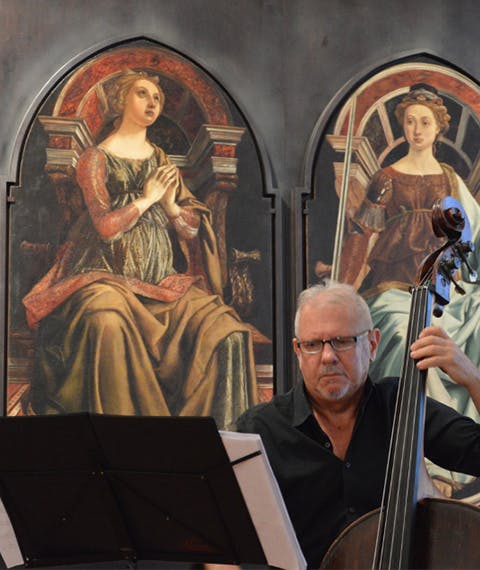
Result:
pixel 404 451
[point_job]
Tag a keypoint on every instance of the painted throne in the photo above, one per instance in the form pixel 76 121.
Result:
pixel 196 129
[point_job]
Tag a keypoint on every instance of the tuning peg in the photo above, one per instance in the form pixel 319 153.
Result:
pixel 437 310
pixel 448 269
pixel 472 274
pixel 464 249
pixel 458 288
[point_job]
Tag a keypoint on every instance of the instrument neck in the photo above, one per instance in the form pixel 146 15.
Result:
pixel 405 461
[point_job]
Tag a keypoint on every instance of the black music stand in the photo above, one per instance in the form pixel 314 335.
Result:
pixel 88 488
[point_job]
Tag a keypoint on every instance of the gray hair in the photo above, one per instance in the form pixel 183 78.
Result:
pixel 338 294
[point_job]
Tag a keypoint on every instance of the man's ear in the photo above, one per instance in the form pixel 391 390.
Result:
pixel 296 348
pixel 374 339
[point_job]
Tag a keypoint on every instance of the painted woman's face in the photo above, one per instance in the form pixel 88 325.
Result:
pixel 142 103
pixel 420 127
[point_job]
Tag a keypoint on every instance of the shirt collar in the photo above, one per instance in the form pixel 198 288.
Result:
pixel 302 409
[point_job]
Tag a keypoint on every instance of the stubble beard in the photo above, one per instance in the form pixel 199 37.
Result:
pixel 334 394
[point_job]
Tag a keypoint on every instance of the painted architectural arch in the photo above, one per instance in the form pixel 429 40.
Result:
pixel 205 135
pixel 337 244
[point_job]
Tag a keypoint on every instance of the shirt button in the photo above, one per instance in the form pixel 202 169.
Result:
pixel 347 465
pixel 328 445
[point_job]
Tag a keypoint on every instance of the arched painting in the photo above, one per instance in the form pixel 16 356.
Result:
pixel 139 280
pixel 382 230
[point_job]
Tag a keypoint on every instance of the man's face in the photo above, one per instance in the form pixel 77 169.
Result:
pixel 334 376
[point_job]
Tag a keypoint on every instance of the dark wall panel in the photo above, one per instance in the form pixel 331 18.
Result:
pixel 286 63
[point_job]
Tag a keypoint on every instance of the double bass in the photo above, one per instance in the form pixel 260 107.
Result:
pixel 415 526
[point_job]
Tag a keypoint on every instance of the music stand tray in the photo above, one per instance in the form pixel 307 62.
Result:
pixel 90 488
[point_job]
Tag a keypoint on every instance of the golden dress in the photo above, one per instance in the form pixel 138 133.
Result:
pixel 130 318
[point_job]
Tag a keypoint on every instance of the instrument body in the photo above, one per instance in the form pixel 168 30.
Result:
pixel 445 537
pixel 414 528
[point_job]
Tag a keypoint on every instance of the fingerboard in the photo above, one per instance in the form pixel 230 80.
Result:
pixel 397 515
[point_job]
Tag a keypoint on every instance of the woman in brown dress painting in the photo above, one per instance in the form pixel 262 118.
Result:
pixel 396 215
pixel 392 233
pixel 130 318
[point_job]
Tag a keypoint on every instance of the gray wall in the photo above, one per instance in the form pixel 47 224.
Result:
pixel 284 62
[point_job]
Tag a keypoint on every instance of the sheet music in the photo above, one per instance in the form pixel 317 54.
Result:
pixel 9 548
pixel 264 501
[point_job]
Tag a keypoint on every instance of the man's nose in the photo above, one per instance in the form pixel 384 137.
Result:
pixel 328 353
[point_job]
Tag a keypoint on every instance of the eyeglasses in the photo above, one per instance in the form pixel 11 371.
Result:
pixel 338 343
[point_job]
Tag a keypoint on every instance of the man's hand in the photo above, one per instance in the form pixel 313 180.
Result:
pixel 435 348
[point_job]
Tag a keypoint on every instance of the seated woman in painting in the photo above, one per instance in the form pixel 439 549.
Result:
pixel 130 318
pixel 392 234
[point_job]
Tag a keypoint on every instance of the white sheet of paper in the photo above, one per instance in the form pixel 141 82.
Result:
pixel 264 501
pixel 9 548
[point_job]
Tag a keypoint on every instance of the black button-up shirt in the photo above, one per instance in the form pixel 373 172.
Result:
pixel 323 494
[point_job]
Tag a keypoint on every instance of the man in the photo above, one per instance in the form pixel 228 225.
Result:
pixel 327 439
